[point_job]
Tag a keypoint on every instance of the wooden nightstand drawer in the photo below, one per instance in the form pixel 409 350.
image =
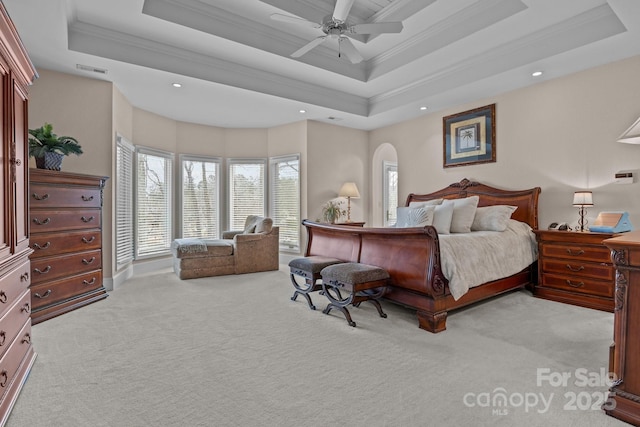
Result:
pixel 578 269
pixel 575 284
pixel 577 252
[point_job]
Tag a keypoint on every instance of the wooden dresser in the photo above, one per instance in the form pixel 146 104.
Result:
pixel 66 237
pixel 624 354
pixel 575 268
pixel 16 351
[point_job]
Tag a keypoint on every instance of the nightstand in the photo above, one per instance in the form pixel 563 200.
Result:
pixel 575 268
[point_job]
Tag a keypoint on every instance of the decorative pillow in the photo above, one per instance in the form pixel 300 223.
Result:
pixel 464 211
pixel 492 218
pixel 442 217
pixel 264 225
pixel 250 224
pixel 426 203
pixel 414 217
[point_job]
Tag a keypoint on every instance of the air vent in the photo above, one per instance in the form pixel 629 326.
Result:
pixel 334 119
pixel 91 69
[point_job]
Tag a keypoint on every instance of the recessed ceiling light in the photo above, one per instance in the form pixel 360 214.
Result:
pixel 423 108
pixel 536 73
pixel 303 111
pixel 176 85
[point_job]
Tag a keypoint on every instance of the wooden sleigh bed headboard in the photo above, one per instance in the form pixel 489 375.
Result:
pixel 525 200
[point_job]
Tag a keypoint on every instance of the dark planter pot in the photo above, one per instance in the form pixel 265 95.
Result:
pixel 51 161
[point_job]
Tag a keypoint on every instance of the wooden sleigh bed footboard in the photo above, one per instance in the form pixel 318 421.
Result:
pixel 412 255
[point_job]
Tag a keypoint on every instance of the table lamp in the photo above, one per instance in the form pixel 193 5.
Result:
pixel 349 190
pixel 580 200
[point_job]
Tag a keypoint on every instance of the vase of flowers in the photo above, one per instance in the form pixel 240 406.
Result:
pixel 332 211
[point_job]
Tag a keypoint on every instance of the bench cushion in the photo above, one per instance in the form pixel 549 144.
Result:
pixel 354 273
pixel 313 264
pixel 214 248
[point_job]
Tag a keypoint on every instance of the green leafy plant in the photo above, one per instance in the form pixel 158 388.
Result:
pixel 43 140
pixel 331 211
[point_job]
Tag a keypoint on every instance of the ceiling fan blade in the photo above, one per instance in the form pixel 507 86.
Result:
pixel 347 47
pixel 376 28
pixel 294 20
pixel 341 11
pixel 307 47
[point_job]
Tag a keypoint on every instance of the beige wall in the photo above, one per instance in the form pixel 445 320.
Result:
pixel 559 135
pixel 81 108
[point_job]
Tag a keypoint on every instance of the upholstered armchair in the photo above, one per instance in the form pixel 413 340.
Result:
pixel 254 249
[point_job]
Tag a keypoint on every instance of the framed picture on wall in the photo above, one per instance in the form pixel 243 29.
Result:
pixel 470 137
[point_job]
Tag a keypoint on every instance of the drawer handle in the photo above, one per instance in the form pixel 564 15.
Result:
pixel 575 285
pixel 46 294
pixel 26 308
pixel 89 282
pixel 46 221
pixel 24 277
pixel 3 337
pixel 45 271
pixel 88 261
pixel 3 297
pixel 85 240
pixel 3 378
pixel 85 219
pixel 45 246
pixel 26 339
pixel 87 199
pixel 570 252
pixel 575 269
pixel 43 197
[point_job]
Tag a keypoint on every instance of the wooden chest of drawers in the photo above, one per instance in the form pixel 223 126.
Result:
pixel 575 268
pixel 65 214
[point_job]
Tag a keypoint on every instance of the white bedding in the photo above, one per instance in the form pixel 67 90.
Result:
pixel 471 259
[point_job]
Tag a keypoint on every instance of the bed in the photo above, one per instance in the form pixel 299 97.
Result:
pixel 413 255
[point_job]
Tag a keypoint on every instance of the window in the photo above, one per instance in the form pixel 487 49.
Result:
pixel 390 189
pixel 200 189
pixel 246 190
pixel 284 180
pixel 153 202
pixel 124 201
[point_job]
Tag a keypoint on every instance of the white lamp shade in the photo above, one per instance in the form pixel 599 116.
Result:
pixel 631 135
pixel 583 198
pixel 349 189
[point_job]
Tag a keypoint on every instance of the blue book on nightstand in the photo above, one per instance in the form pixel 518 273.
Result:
pixel 612 222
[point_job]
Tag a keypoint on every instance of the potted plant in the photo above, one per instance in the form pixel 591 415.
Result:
pixel 49 149
pixel 331 211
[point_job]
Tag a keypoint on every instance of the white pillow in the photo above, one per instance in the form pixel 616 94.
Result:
pixel 442 217
pixel 492 218
pixel 414 217
pixel 426 203
pixel 464 211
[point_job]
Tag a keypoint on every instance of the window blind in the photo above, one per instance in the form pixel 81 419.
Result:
pixel 246 190
pixel 200 185
pixel 285 199
pixel 124 201
pixel 153 202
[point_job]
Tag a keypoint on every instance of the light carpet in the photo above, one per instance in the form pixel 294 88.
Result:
pixel 236 351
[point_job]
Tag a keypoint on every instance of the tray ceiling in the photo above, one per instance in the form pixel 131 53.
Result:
pixel 235 67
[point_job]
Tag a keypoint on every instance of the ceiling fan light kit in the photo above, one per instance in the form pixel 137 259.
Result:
pixel 335 27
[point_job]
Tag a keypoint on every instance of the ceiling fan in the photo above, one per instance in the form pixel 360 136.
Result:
pixel 335 27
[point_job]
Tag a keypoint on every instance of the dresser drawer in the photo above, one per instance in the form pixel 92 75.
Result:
pixel 47 196
pixel 577 252
pixel 576 268
pixel 56 267
pixel 12 285
pixel 13 357
pixel 59 220
pixel 13 320
pixel 49 244
pixel 59 290
pixel 582 285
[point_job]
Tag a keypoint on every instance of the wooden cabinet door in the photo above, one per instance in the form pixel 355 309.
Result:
pixel 19 166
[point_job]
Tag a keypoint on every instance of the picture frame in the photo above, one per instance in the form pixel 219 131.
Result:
pixel 469 137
